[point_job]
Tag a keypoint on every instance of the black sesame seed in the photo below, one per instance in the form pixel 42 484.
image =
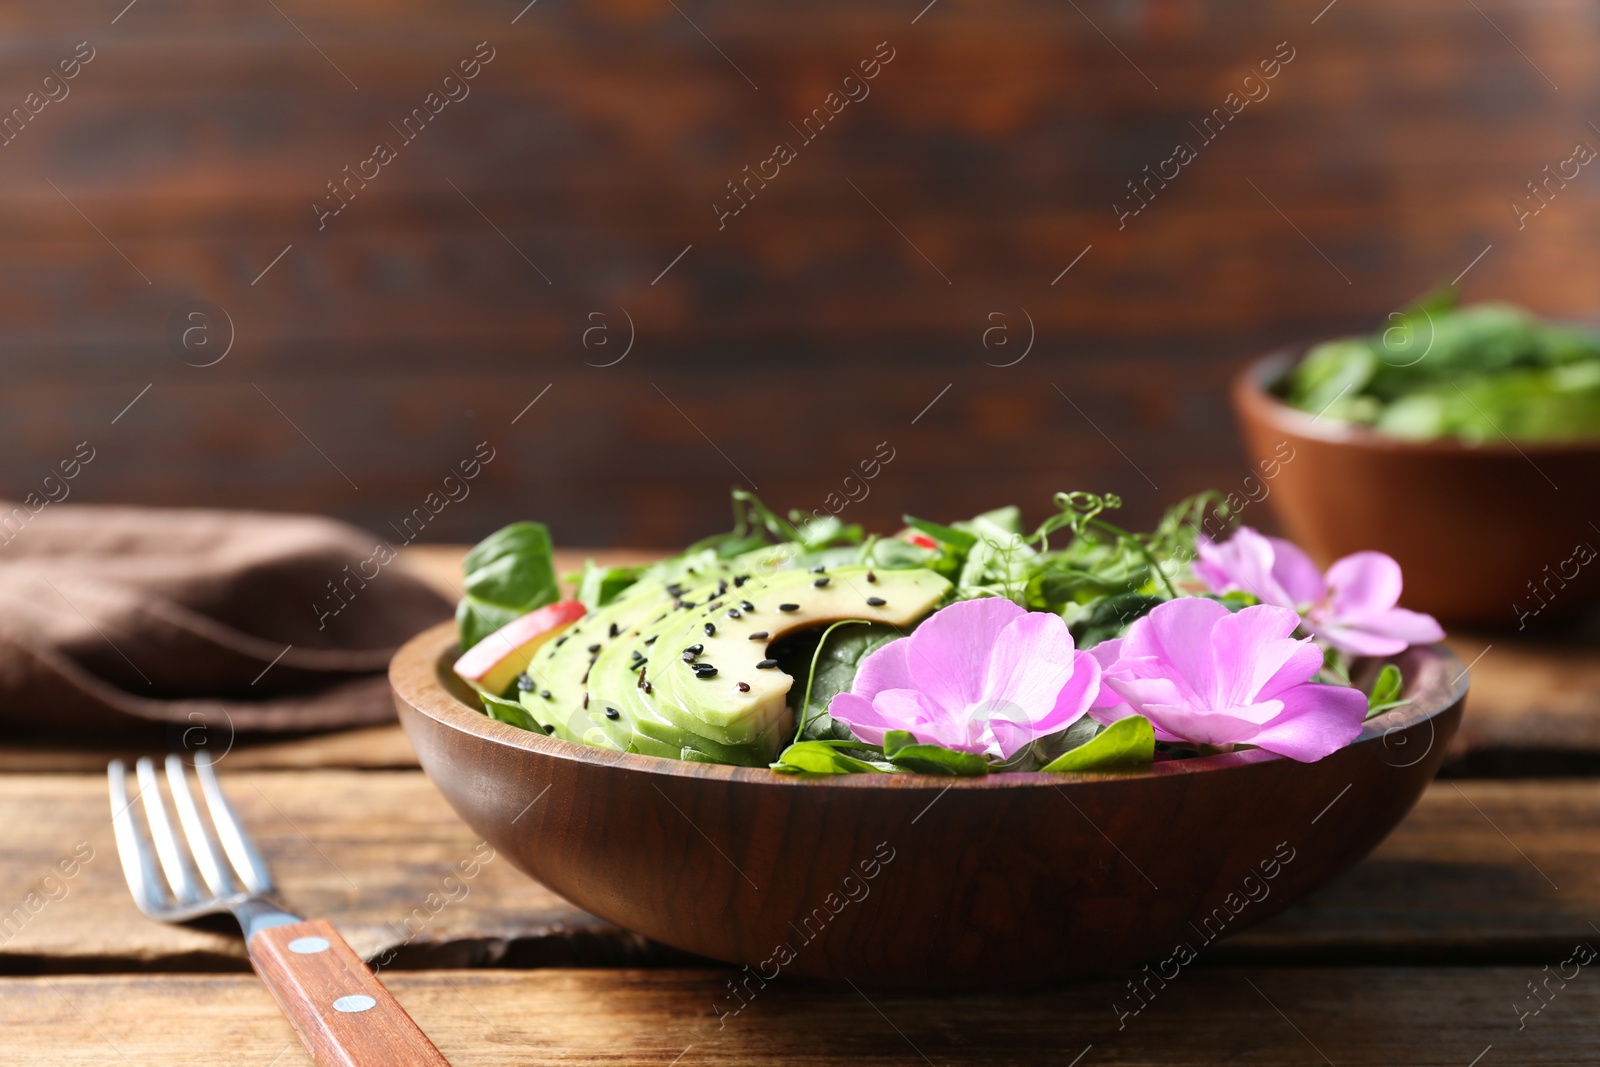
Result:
pixel 691 570
pixel 871 577
pixel 722 586
pixel 696 649
pixel 820 582
pixel 788 607
pixel 524 682
pixel 594 648
pixel 560 641
pixel 819 570
pixel 545 693
pixel 704 670
pixel 740 580
pixel 586 700
pixel 876 601
pixel 585 679
pixel 733 613
pixel 613 713
pixel 637 664
pixel 711 629
pixel 767 664
pixel 744 687
pixel 651 640
pixel 674 589
pixel 746 605
pixel 759 635
pixel 550 729
pixel 613 629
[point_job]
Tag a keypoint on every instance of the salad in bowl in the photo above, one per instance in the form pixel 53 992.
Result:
pixel 807 646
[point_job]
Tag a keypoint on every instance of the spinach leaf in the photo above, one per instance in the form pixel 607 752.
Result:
pixel 1385 695
pixel 906 752
pixel 507 575
pixel 821 757
pixel 839 656
pixel 1110 617
pixel 508 711
pixel 599 586
pixel 1129 742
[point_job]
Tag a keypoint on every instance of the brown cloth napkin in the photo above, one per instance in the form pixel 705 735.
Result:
pixel 225 620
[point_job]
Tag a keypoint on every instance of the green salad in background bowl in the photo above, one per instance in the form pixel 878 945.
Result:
pixel 1484 372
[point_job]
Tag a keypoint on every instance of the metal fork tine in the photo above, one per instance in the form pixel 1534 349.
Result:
pixel 252 869
pixel 137 866
pixel 194 829
pixel 167 850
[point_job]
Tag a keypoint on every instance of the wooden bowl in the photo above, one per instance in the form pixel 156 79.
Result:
pixel 911 880
pixel 1484 533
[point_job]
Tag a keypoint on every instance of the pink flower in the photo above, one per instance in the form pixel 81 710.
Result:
pixel 1352 607
pixel 1203 674
pixel 980 676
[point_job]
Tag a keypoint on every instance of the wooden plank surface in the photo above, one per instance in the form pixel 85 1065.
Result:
pixel 1203 1016
pixel 1487 871
pixel 378 853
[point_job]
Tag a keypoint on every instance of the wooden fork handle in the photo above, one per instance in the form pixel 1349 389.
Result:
pixel 344 1015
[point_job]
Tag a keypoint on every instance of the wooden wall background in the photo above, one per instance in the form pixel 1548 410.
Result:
pixel 807 331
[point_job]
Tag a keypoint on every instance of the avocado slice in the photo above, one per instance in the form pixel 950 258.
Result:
pixel 566 667
pixel 619 679
pixel 730 690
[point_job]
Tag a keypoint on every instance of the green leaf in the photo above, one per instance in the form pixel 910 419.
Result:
pixel 599 586
pixel 508 711
pixel 1129 742
pixel 820 757
pixel 508 574
pixel 945 535
pixel 1385 695
pixel 1111 617
pixel 837 657
pixel 904 750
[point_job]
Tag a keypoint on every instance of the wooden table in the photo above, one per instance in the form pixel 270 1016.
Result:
pixel 1426 953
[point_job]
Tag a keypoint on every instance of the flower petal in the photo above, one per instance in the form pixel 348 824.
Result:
pixel 1365 583
pixel 1248 648
pixel 864 720
pixel 1205 727
pixel 924 719
pixel 1106 654
pixel 1029 663
pixel 1248 562
pixel 1295 574
pixel 1316 720
pixel 883 668
pixel 1177 634
pixel 948 655
pixel 1071 703
pixel 1299 668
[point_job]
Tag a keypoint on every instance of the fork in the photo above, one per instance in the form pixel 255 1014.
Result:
pixel 343 1014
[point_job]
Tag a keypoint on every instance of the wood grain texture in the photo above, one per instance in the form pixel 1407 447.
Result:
pixel 596 142
pixel 1446 886
pixel 380 854
pixel 1355 1016
pixel 343 1015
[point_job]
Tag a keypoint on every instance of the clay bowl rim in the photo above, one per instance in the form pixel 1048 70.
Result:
pixel 1252 396
pixel 417 672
